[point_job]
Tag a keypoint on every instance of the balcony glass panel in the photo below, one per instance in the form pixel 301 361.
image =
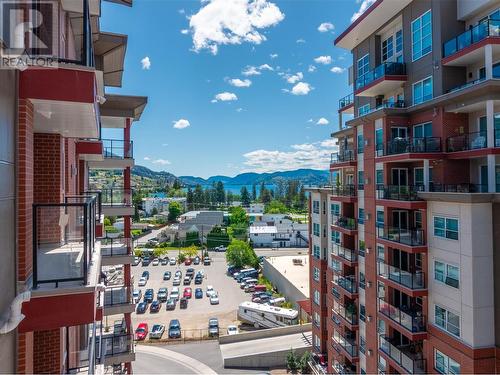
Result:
pixel 117 197
pixel 347 283
pixel 465 142
pixel 117 149
pixel 112 345
pixel 347 312
pixel 409 280
pixel 115 246
pixel 410 237
pixel 345 190
pixel 345 253
pixel 387 68
pixel 343 156
pixel 349 345
pixel 413 321
pixel 399 192
pixel 486 28
pixel 409 145
pixel 405 356
pixel 346 101
pixel 458 188
pixel 348 223
pixel 116 296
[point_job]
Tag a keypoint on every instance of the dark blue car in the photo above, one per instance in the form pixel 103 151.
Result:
pixel 198 293
pixel 142 307
pixel 149 295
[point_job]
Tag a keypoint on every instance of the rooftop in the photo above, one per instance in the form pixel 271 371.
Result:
pixel 263 229
pixel 296 272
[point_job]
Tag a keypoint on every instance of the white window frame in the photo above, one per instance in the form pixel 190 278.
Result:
pixel 337 211
pixel 316 274
pixel 445 229
pixel 316 297
pixel 363 110
pixel 446 359
pixel 422 83
pixel 446 273
pixel 413 58
pixel 446 322
pixel 365 66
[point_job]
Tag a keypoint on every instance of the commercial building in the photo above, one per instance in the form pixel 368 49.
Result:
pixel 403 244
pixel 54 298
pixel 160 204
pixel 270 234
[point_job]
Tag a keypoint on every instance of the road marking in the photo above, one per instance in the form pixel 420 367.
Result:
pixel 181 359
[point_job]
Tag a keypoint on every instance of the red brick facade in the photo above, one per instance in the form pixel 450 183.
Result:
pixel 48 348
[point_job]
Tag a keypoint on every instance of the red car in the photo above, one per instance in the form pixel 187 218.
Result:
pixel 187 293
pixel 187 262
pixel 142 331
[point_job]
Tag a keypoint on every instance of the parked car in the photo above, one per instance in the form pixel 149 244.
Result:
pixel 155 306
pixel 213 327
pixel 137 260
pixel 186 281
pixel 249 288
pixel 142 307
pixel 174 329
pixel 232 330
pixel 232 269
pixel 142 281
pixel 145 261
pixel 145 274
pixel 198 279
pixel 214 299
pixel 210 290
pixel 164 261
pixel 188 293
pixel 198 293
pixel 190 272
pixel 207 261
pixel 137 295
pixel 171 302
pixel 187 261
pixel 196 261
pixel 184 303
pixel 174 293
pixel 167 275
pixel 157 331
pixel 260 288
pixel 172 262
pixel 149 295
pixel 156 262
pixel 141 332
pixel 178 273
pixel 177 281
pixel 162 294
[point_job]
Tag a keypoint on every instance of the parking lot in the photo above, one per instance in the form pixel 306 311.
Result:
pixel 194 319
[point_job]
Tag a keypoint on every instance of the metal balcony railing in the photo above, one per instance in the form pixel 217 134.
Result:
pixel 414 281
pixel 347 283
pixel 399 192
pixel 117 197
pixel 413 321
pixel 458 188
pixel 117 296
pixel 342 252
pixel 346 101
pixel 385 69
pixel 404 356
pixel 348 313
pixel 466 142
pixel 486 28
pixel 115 247
pixel 113 345
pixel 348 223
pixel 349 345
pixel 410 237
pixel 117 149
pixel 63 241
pixel 343 156
pixel 345 190
pixel 409 145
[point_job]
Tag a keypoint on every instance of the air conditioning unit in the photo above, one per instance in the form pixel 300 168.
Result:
pixel 367 142
pixel 368 250
pixel 368 284
pixel 369 318
pixel 368 216
pixel 367 180
pixel 369 352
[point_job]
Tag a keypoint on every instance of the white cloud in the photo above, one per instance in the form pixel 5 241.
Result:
pixel 325 26
pixel 325 60
pixel 184 31
pixel 222 22
pixel 146 63
pixel 300 41
pixel 337 70
pixel 266 67
pixel 365 4
pixel 251 71
pixel 273 55
pixel 310 120
pixel 322 121
pixel 161 162
pixel 312 68
pixel 225 97
pixel 147 158
pixel 301 88
pixel 181 124
pixel 236 82
pixel 294 78
pixel 307 155
pixel 239 110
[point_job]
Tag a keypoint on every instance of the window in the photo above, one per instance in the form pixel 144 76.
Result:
pixel 316 274
pixel 422 91
pixel 316 252
pixel 316 207
pixel 421 33
pixel 362 343
pixel 447 273
pixel 316 297
pixel 446 227
pixel 316 319
pixel 317 341
pixel 335 237
pixel 361 145
pixel 447 320
pixel 399 43
pixel 444 364
pixel 388 48
pixel 363 65
pixel 363 110
pixel 422 130
pixel 379 177
pixel 380 219
pixel 379 141
pixel 418 220
pixel 316 229
pixel 361 215
pixel 362 281
pixel 362 313
pixel 361 180
pixel 335 209
pixel 380 253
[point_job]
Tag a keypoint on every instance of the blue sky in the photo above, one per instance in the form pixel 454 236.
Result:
pixel 252 96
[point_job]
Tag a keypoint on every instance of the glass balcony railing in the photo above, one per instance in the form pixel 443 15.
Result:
pixel 409 145
pixel 348 312
pixel 81 353
pixel 115 247
pixel 348 223
pixel 484 29
pixel 117 149
pixel 117 197
pixel 346 101
pixel 335 293
pixel 466 142
pixel 413 321
pixel 385 69
pixel 342 252
pixel 348 344
pixel 345 190
pixel 409 280
pixel 410 237
pixel 458 188
pixel 344 369
pixel 404 356
pixel 399 192
pixel 63 241
pixel 347 283
pixel 342 156
pixel 113 345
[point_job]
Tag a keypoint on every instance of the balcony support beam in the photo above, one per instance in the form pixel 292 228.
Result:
pixel 488 60
pixel 426 174
pixel 490 126
pixel 491 173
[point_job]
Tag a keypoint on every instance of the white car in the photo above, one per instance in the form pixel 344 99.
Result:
pixel 174 293
pixel 232 330
pixel 210 290
pixel 172 261
pixel 157 331
pixel 177 280
pixel 156 262
pixel 214 299
pixel 143 281
pixel 137 295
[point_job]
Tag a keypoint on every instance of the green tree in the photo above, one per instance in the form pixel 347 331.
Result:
pixel 245 197
pixel 174 210
pixel 304 363
pixel 190 199
pixel 240 254
pixel 177 184
pixel 107 222
pixel 302 199
pixel 254 193
pixel 154 211
pixel 229 198
pixel 292 362
pixel 198 197
pixel 276 207
pixel 238 216
pixel 217 237
pixel 220 194
pixel 192 238
pixel 265 196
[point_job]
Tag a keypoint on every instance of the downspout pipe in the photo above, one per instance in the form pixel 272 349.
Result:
pixel 13 316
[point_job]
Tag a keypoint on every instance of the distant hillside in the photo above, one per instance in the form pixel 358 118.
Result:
pixel 306 176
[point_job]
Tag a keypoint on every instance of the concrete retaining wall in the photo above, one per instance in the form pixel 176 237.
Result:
pixel 282 284
pixel 276 359
pixel 263 333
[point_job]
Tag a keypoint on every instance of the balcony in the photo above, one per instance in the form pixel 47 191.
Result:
pixel 116 251
pixel 408 237
pixel 405 195
pixel 348 312
pixel 466 187
pixel 81 353
pixel 406 356
pixel 411 320
pixel 345 190
pixel 346 254
pixel 117 153
pixel 111 349
pixel 348 344
pixel 383 79
pixel 411 281
pixel 399 146
pixel 117 202
pixel 342 369
pixel 348 224
pixel 468 47
pixel 335 293
pixel 117 300
pixel 467 142
pixel 346 104
pixel 343 156
pixel 348 283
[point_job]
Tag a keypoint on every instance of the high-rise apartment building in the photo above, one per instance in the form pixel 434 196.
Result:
pixel 58 311
pixel 405 241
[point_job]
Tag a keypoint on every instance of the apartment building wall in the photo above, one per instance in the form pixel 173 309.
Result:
pixel 7 212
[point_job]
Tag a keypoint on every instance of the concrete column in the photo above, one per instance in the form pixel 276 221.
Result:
pixel 426 174
pixel 488 61
pixel 490 126
pixel 491 174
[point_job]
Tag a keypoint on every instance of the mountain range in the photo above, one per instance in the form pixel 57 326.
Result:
pixel 306 177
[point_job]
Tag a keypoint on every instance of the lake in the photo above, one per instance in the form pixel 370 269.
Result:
pixel 235 189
